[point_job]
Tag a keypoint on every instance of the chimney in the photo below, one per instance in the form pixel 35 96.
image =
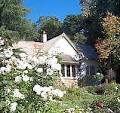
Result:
pixel 44 37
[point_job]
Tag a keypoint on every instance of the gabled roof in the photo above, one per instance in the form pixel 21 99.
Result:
pixel 49 44
pixel 32 47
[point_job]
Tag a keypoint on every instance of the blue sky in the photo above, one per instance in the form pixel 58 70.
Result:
pixel 58 8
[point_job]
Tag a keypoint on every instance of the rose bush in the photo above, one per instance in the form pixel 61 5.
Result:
pixel 26 81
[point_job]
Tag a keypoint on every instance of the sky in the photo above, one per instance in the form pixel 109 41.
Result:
pixel 58 8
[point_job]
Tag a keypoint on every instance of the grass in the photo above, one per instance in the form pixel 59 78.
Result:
pixel 83 98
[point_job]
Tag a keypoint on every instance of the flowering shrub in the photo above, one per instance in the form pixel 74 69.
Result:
pixel 26 81
pixel 48 92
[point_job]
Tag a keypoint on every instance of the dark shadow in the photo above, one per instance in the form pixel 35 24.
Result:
pixel 118 75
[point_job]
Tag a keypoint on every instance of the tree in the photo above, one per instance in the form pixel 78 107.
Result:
pixel 109 48
pixel 111 25
pixel 51 25
pixel 92 29
pixel 85 7
pixel 12 17
pixel 72 24
pixel 28 30
pixel 79 38
pixel 73 27
pixel 99 8
pixel 94 11
pixel 12 13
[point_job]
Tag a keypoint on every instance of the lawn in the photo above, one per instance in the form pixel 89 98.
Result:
pixel 87 100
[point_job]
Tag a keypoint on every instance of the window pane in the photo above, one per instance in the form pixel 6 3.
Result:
pixel 73 71
pixel 92 69
pixel 68 70
pixel 87 70
pixel 63 70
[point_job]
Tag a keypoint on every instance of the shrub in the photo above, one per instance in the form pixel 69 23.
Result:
pixel 112 89
pixel 26 81
pixel 91 80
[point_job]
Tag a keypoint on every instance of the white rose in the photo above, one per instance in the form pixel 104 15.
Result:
pixel 22 55
pixel 8 90
pixel 8 53
pixel 39 70
pixel 18 79
pixel 42 59
pixel 51 87
pixel 50 71
pixel 26 71
pixel 3 69
pixel 38 89
pixel 17 94
pixel 31 78
pixel 25 78
pixel 1 42
pixel 21 65
pixel 13 106
pixel 29 66
pixel 44 95
pixel 56 66
pixel 58 93
pixel 52 61
pixel 8 68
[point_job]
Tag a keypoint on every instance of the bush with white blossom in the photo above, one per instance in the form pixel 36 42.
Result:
pixel 26 81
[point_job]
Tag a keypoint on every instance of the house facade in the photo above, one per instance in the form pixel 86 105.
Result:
pixel 74 63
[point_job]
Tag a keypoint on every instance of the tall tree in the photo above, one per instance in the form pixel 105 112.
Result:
pixel 73 26
pixel 12 13
pixel 109 48
pixel 51 25
pixel 94 11
pixel 12 17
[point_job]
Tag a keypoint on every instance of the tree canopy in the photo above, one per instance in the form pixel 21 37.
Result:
pixel 51 25
pixel 12 18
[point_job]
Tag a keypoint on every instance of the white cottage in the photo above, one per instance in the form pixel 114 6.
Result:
pixel 71 56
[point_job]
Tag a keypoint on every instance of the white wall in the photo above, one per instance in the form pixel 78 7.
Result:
pixel 64 47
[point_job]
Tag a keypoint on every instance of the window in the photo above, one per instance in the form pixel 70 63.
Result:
pixel 73 71
pixel 90 70
pixel 68 70
pixel 63 70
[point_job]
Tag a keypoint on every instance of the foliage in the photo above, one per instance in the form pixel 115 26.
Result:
pixel 94 12
pixel 51 25
pixel 111 25
pixel 91 80
pixel 109 89
pixel 11 13
pixel 72 24
pixel 101 7
pixel 8 34
pixel 80 38
pixel 12 18
pixel 98 8
pixel 26 82
pixel 112 89
pixel 28 30
pixel 108 48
